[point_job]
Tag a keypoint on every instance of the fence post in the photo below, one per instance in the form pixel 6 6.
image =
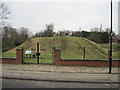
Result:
pixel 53 52
pixel 19 55
pixel 84 53
pixel 118 52
pixel 108 53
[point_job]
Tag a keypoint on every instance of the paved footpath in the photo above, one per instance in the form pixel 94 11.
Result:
pixel 60 73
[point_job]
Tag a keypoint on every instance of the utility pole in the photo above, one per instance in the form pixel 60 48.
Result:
pixel 110 52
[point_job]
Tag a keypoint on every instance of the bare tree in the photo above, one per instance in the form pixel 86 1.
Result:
pixel 49 30
pixel 3 20
pixel 24 34
pixel 4 12
pixel 107 30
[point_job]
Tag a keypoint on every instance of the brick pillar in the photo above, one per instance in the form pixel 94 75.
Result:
pixel 57 57
pixel 19 55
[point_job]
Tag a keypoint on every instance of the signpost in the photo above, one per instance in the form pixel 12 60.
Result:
pixel 84 53
pixel 38 52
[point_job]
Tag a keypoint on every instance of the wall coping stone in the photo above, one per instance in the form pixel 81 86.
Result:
pixel 87 60
pixel 8 58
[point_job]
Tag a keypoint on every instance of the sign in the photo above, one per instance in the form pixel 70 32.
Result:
pixel 28 52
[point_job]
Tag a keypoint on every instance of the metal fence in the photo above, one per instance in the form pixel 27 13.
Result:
pixel 87 53
pixel 46 56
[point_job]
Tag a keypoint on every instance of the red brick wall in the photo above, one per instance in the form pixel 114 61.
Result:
pixel 97 63
pixel 17 60
pixel 78 62
pixel 8 60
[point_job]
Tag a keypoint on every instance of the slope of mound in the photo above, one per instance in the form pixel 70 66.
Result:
pixel 115 49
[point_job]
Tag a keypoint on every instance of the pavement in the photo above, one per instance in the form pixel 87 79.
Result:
pixel 54 73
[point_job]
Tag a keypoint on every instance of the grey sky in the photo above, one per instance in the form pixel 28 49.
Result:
pixel 65 15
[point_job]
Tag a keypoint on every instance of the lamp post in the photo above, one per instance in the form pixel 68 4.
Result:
pixel 110 52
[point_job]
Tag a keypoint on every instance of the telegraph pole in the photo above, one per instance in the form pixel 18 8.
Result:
pixel 110 52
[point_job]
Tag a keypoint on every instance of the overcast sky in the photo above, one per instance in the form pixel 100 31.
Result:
pixel 67 14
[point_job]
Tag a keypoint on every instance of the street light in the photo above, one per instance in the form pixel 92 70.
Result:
pixel 110 52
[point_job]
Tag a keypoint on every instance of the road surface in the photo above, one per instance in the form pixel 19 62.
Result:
pixel 14 83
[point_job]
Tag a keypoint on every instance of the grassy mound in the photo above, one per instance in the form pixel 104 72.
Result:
pixel 71 47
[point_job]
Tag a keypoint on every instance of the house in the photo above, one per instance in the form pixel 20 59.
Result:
pixel 115 39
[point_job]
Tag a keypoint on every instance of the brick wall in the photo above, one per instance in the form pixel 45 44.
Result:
pixel 79 62
pixel 8 60
pixel 16 60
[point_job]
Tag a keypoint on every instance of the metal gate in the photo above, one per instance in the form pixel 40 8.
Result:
pixel 46 56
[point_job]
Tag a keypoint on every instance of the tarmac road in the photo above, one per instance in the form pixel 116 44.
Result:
pixel 14 83
pixel 55 76
pixel 49 76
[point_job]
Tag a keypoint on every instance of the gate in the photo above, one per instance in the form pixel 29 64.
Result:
pixel 46 56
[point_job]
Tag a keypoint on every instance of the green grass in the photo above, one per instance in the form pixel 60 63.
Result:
pixel 8 54
pixel 114 46
pixel 42 61
pixel 74 49
pixel 115 50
